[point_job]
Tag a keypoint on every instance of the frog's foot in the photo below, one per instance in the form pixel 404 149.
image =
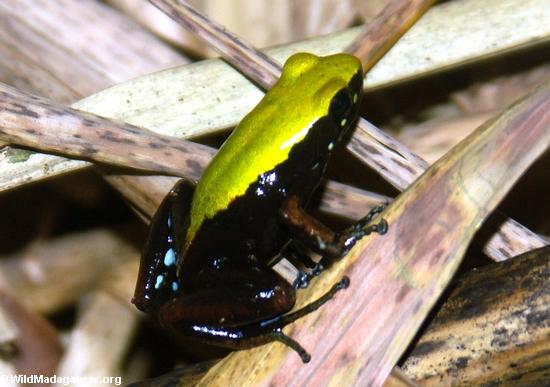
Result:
pixel 361 228
pixel 303 277
pixel 278 335
pixel 352 235
pixel 370 216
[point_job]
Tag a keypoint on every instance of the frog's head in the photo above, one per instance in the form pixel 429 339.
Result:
pixel 327 86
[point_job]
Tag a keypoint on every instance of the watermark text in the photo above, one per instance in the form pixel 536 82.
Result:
pixel 60 380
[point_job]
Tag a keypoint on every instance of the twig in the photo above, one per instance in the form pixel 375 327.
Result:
pixel 33 122
pixel 385 29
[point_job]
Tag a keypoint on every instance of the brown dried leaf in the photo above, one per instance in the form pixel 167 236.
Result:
pixel 493 329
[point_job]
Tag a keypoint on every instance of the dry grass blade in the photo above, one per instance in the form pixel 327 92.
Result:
pixel 253 63
pixel 398 277
pixel 399 379
pixel 34 122
pixel 98 346
pixel 385 29
pixel 47 275
pixel 395 162
pixel 508 238
pixel 8 335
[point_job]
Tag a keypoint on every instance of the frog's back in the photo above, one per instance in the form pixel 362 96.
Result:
pixel 265 137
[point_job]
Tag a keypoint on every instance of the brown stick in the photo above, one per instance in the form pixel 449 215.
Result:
pixel 253 63
pixel 385 30
pixel 36 123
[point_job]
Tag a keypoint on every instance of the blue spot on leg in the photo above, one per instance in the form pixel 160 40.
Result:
pixel 170 257
pixel 175 286
pixel 160 279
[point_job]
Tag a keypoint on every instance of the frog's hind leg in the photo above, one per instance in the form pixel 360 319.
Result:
pixel 157 279
pixel 240 315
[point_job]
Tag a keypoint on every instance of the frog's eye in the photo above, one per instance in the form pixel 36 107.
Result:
pixel 340 106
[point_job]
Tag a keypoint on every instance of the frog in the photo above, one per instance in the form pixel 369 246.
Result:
pixel 206 272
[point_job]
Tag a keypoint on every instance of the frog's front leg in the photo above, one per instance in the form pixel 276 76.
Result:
pixel 321 239
pixel 157 278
